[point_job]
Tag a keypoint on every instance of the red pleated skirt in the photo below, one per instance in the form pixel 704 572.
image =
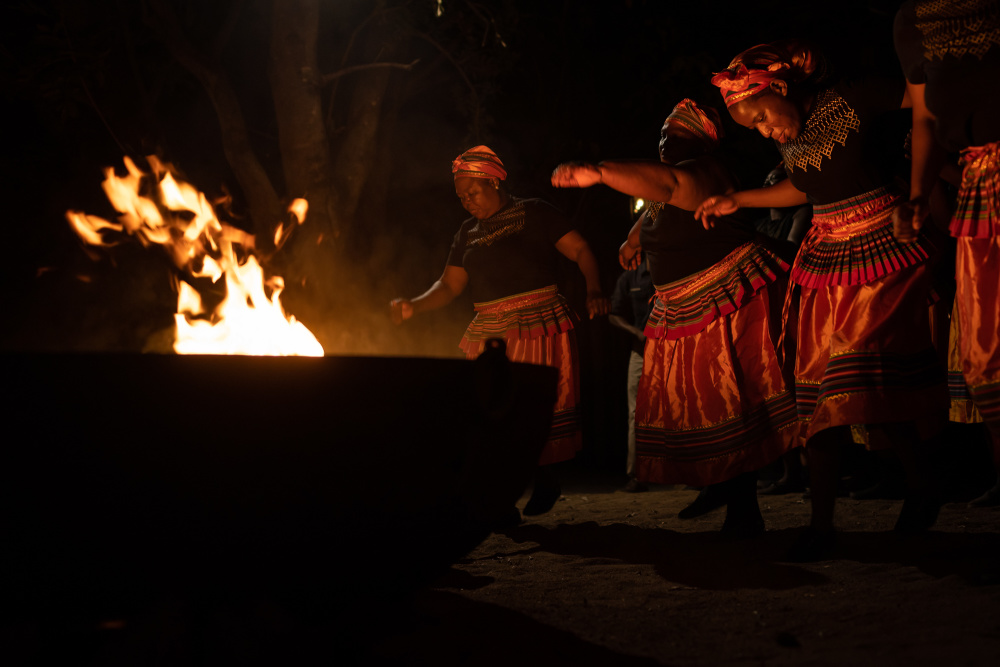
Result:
pixel 537 328
pixel 714 399
pixel 859 315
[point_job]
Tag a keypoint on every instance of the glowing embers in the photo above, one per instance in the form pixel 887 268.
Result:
pixel 159 209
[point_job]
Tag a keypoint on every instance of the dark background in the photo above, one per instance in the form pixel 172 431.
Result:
pixel 88 81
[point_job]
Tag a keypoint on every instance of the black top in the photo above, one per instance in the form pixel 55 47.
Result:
pixel 676 245
pixel 959 67
pixel 851 142
pixel 511 252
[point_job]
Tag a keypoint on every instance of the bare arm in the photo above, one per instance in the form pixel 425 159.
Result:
pixel 927 159
pixel 575 248
pixel 444 290
pixel 685 185
pixel 779 195
pixel 630 252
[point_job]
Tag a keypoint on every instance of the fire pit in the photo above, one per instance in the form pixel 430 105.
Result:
pixel 143 475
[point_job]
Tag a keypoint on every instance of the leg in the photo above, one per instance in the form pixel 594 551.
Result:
pixel 546 491
pixel 823 458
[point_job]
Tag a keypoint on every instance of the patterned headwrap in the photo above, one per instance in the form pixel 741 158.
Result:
pixel 478 162
pixel 751 72
pixel 703 123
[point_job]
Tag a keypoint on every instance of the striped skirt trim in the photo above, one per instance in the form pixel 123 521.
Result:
pixel 542 312
pixel 987 400
pixel 776 413
pixel 851 243
pixel 686 306
pixel 976 211
pixel 861 372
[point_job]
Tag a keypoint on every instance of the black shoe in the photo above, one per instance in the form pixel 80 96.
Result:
pixel 509 520
pixel 709 498
pixel 633 485
pixel 542 499
pixel 989 499
pixel 919 513
pixel 812 546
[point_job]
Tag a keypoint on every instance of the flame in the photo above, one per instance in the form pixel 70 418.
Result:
pixel 177 217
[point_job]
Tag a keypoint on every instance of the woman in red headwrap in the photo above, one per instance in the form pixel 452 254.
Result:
pixel 714 403
pixel 950 53
pixel 857 308
pixel 506 253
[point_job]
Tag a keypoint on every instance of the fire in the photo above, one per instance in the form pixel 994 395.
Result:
pixel 159 209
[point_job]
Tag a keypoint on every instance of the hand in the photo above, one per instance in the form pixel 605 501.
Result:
pixel 714 208
pixel 576 175
pixel 628 256
pixel 908 218
pixel 597 304
pixel 399 310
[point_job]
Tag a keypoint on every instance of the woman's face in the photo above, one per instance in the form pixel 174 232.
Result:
pixel 772 113
pixel 678 144
pixel 479 196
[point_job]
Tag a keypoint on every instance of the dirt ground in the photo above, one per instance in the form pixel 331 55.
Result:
pixel 612 578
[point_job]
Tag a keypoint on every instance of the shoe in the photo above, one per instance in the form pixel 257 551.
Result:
pixel 812 546
pixel 709 498
pixel 989 499
pixel 542 499
pixel 633 485
pixel 510 519
pixel 919 513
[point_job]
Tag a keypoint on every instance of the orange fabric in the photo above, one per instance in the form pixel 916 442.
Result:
pixel 977 308
pixel 716 404
pixel 864 353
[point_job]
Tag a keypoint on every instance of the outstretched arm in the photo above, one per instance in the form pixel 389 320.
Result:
pixel 779 195
pixel 444 290
pixel 574 247
pixel 684 185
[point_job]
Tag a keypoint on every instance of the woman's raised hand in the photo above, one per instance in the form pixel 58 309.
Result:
pixel 629 256
pixel 400 309
pixel 576 175
pixel 714 208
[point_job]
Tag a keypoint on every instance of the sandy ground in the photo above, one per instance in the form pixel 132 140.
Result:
pixel 609 578
pixel 612 578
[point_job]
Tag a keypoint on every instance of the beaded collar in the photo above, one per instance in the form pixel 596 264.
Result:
pixel 958 27
pixel 831 121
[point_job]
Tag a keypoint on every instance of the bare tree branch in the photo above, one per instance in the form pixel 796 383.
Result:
pixel 327 78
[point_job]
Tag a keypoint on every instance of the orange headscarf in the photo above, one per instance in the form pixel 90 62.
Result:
pixel 751 72
pixel 703 123
pixel 478 162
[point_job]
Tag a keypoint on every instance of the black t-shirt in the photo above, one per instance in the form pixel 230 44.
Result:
pixel 851 142
pixel 676 244
pixel 511 252
pixel 959 68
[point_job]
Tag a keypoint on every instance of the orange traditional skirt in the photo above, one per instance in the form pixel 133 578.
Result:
pixel 714 398
pixel 537 328
pixel 976 318
pixel 863 337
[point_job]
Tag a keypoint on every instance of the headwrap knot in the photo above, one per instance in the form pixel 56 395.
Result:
pixel 738 81
pixel 705 123
pixel 478 162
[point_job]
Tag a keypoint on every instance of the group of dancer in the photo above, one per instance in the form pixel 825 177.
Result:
pixel 751 353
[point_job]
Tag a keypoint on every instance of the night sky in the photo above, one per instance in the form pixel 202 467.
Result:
pixel 88 81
